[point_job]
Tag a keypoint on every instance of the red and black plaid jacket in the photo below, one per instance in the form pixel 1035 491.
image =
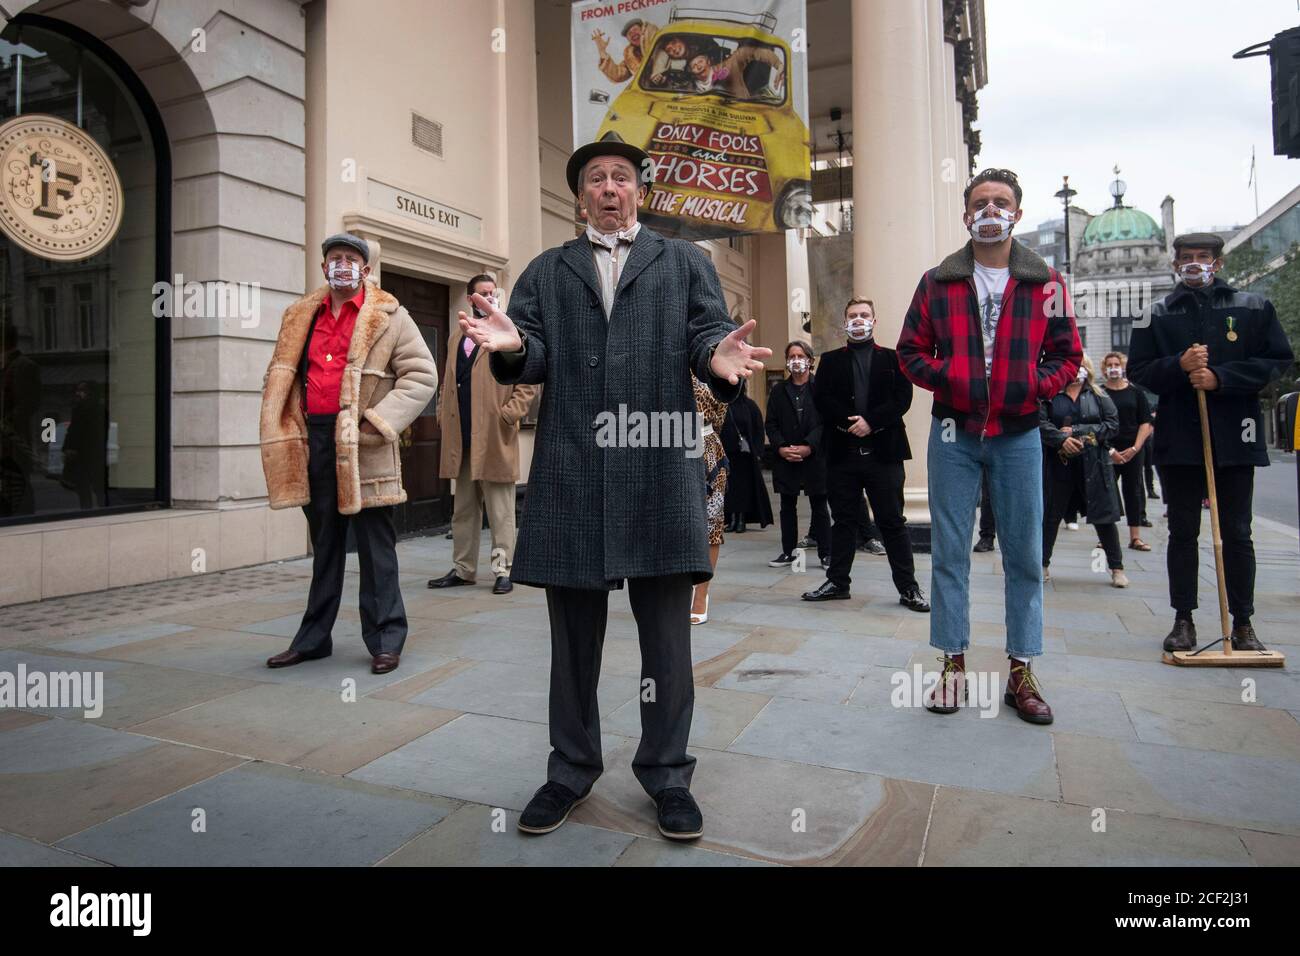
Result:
pixel 1036 351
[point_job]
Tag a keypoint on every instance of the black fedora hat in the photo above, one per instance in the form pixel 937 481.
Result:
pixel 585 154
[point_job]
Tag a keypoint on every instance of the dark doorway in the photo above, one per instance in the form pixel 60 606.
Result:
pixel 428 497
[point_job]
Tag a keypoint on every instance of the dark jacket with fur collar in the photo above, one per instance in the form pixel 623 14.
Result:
pixel 1036 350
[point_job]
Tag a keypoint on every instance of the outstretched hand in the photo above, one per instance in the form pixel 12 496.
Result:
pixel 496 332
pixel 734 358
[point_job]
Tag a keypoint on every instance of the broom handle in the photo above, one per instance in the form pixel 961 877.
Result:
pixel 1225 631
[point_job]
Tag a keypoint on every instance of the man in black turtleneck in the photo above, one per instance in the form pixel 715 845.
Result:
pixel 862 396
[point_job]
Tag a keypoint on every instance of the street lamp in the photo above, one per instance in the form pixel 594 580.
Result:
pixel 1065 194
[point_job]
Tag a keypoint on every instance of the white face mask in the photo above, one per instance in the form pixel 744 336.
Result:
pixel 858 329
pixel 1114 373
pixel 993 224
pixel 344 275
pixel 1082 376
pixel 797 366
pixel 1196 273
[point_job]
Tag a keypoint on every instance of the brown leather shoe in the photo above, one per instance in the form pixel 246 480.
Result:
pixel 1244 639
pixel 1182 637
pixel 383 663
pixel 1024 695
pixel 289 658
pixel 943 698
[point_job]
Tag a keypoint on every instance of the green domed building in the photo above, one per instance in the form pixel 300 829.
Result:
pixel 1122 265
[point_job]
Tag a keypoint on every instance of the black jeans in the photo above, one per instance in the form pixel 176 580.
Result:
pixel 1183 488
pixel 821 524
pixel 1057 495
pixel 883 484
pixel 988 525
pixel 1129 476
pixel 383 615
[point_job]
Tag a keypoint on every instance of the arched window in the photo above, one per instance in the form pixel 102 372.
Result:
pixel 84 419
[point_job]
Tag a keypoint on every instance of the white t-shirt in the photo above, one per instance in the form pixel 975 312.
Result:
pixel 990 284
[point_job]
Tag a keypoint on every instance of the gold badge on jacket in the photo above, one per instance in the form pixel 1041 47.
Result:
pixel 1232 329
pixel 60 197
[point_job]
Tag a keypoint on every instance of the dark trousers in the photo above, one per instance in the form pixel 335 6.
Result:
pixel 867 530
pixel 661 606
pixel 883 484
pixel 1057 497
pixel 821 523
pixel 988 526
pixel 383 616
pixel 1183 487
pixel 1129 476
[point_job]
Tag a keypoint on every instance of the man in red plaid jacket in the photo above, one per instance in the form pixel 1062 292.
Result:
pixel 991 333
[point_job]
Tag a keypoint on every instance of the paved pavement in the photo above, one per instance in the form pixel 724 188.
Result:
pixel 203 756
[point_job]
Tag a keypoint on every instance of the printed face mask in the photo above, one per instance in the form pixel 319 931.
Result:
pixel 859 330
pixel 797 366
pixel 343 275
pixel 1114 373
pixel 993 224
pixel 1083 374
pixel 1196 273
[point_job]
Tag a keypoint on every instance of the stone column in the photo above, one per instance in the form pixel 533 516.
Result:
pixel 894 168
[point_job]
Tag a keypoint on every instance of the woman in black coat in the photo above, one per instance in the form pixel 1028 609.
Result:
pixel 742 439
pixel 794 430
pixel 1077 427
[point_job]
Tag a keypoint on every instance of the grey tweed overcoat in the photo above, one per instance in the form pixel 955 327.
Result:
pixel 595 513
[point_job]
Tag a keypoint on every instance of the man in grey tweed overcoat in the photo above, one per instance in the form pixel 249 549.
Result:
pixel 614 323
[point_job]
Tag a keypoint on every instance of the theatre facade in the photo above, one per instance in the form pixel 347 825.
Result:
pixel 170 166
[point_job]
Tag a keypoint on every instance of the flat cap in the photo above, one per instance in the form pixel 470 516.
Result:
pixel 356 243
pixel 1199 240
pixel 634 22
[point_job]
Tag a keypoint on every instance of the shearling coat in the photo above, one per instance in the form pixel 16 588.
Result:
pixel 597 513
pixel 495 413
pixel 389 379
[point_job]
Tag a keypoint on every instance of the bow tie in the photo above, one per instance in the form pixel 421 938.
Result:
pixel 610 242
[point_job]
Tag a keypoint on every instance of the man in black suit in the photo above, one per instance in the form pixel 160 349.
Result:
pixel 862 396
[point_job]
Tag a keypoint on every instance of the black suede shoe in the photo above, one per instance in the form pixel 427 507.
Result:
pixel 679 814
pixel 914 600
pixel 549 808
pixel 449 580
pixel 1182 637
pixel 503 585
pixel 983 544
pixel 1244 639
pixel 827 592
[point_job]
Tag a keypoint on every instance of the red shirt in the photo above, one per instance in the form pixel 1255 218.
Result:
pixel 327 354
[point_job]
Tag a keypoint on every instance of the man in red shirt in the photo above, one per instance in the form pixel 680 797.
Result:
pixel 349 373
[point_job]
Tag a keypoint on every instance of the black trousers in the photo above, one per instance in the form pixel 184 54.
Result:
pixel 988 525
pixel 383 616
pixel 883 484
pixel 1057 497
pixel 1183 488
pixel 1132 482
pixel 821 523
pixel 661 606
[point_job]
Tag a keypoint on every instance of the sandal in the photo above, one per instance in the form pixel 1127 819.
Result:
pixel 1137 544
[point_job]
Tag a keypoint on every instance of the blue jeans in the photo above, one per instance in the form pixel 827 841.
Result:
pixel 1014 464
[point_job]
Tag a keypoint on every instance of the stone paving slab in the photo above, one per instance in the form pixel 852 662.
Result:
pixel 264 815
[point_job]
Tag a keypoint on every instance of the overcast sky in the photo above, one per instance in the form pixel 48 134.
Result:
pixel 1077 87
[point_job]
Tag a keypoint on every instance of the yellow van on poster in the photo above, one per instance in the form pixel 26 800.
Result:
pixel 711 106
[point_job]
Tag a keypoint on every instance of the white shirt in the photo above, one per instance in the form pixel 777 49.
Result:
pixel 610 253
pixel 990 284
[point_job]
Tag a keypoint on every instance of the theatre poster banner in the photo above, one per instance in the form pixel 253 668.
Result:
pixel 716 95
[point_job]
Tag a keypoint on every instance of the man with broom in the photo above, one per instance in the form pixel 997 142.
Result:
pixel 1205 336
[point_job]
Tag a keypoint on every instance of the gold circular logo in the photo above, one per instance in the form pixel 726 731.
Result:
pixel 60 197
